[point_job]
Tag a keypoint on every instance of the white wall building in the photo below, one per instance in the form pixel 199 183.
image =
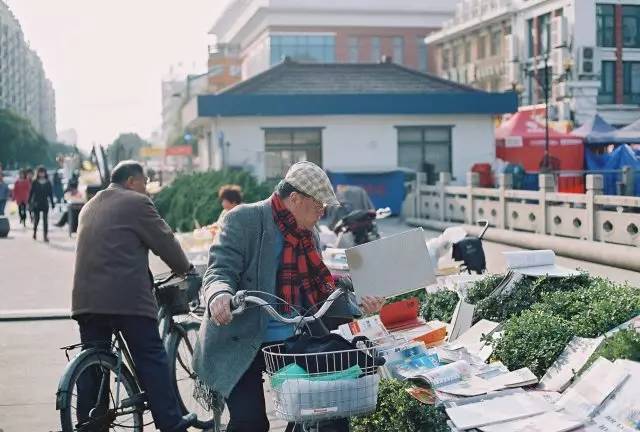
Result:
pixel 262 32
pixel 24 87
pixel 347 117
pixel 68 137
pixel 591 47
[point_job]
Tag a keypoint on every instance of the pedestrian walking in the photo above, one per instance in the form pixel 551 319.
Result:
pixel 21 191
pixel 5 194
pixel 40 196
pixel 29 173
pixel 58 190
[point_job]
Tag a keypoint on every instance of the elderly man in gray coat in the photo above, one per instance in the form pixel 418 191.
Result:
pixel 268 246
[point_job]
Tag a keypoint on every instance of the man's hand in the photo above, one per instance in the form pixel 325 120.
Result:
pixel 220 309
pixel 371 305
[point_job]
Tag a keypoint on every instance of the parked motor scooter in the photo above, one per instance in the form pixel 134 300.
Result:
pixel 359 227
pixel 469 250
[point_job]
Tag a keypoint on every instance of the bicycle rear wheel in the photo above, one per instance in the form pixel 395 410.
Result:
pixel 101 367
pixel 180 345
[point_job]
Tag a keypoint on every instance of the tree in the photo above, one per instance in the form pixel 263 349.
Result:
pixel 126 146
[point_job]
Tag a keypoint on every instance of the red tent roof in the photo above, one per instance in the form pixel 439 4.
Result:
pixel 523 124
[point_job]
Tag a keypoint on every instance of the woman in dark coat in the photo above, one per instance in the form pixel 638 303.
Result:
pixel 40 196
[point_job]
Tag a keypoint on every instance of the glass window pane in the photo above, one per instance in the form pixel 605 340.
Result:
pixel 410 156
pixel 307 136
pixel 353 49
pixel 409 135
pixel 631 26
pixel 437 134
pixel 278 137
pixel 375 49
pixel 398 50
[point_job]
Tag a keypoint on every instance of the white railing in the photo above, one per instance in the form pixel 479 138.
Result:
pixel 590 216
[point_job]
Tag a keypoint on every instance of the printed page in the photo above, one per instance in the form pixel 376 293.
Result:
pixel 622 409
pixel 569 363
pixel 446 374
pixel 586 395
pixel 370 327
pixel 547 422
pixel 472 338
pixel 497 410
pixel 517 378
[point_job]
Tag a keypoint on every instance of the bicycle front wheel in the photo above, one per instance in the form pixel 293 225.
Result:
pixel 103 387
pixel 180 345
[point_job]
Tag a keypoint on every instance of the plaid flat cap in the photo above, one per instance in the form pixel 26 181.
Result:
pixel 310 179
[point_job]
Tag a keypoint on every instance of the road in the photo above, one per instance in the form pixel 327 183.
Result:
pixel 38 276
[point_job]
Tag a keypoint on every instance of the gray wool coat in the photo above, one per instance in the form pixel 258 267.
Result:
pixel 241 258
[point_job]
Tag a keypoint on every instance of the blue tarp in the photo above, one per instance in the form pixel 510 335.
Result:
pixel 629 134
pixel 620 157
pixel 386 188
pixel 596 132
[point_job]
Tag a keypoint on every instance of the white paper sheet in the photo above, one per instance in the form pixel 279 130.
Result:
pixel 537 263
pixel 571 360
pixel 547 422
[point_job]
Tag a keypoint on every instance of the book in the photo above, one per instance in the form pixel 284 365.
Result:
pixel 545 422
pixel 536 263
pixel 587 394
pixel 461 320
pixel 443 375
pixel 371 327
pixel 488 381
pixel 422 395
pixel 431 333
pixel 569 363
pixel 401 315
pixel 499 409
pixel 473 338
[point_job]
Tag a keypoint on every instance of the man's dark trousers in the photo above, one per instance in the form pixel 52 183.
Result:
pixel 149 356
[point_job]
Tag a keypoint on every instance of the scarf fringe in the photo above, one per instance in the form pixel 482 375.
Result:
pixel 208 397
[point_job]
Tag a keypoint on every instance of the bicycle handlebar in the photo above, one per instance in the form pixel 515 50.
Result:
pixel 240 299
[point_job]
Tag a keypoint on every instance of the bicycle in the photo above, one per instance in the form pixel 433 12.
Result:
pixel 120 403
pixel 314 390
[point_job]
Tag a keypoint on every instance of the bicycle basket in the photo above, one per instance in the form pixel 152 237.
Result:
pixel 300 396
pixel 178 296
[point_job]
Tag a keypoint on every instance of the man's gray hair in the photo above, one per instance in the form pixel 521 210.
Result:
pixel 126 169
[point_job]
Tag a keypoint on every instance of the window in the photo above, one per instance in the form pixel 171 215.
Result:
pixel 605 24
pixel 423 56
pixel 496 43
pixel 531 44
pixel 425 149
pixel 607 92
pixel 467 52
pixel 544 35
pixel 376 51
pixel 284 147
pixel 353 49
pixel 631 82
pixel 482 46
pixel 306 48
pixel 631 26
pixel 456 55
pixel 398 50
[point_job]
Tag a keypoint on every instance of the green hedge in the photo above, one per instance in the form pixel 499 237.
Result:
pixel 194 197
pixel 398 411
pixel 439 305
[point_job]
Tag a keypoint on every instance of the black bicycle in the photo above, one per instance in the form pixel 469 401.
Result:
pixel 120 403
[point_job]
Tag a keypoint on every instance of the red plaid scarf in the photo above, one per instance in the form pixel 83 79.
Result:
pixel 302 272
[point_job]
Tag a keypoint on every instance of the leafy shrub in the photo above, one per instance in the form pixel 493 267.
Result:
pixel 624 344
pixel 397 411
pixel 527 292
pixel 194 197
pixel 483 287
pixel 595 309
pixel 439 305
pixel 533 339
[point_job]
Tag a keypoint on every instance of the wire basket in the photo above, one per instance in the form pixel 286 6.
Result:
pixel 179 296
pixel 345 384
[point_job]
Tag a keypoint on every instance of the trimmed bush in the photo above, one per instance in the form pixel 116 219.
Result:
pixel 624 344
pixel 397 411
pixel 194 197
pixel 439 305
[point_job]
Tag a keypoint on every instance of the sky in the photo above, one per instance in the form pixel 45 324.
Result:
pixel 107 59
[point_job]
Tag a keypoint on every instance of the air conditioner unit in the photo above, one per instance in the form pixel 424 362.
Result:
pixel 559 32
pixel 559 58
pixel 513 72
pixel 511 47
pixel 588 61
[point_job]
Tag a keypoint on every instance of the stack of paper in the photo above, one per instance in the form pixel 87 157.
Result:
pixel 537 263
pixel 546 422
pixel 484 383
pixel 498 409
pixel 586 395
pixel 569 363
pixel 473 340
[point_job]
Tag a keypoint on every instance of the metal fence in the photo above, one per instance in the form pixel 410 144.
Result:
pixel 591 216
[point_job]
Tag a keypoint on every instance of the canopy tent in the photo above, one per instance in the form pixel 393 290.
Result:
pixel 596 132
pixel 629 134
pixel 622 156
pixel 521 140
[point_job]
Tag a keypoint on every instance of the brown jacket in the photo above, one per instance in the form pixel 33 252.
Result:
pixel 117 228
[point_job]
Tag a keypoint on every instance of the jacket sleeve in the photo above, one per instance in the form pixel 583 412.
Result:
pixel 227 257
pixel 157 236
pixel 31 192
